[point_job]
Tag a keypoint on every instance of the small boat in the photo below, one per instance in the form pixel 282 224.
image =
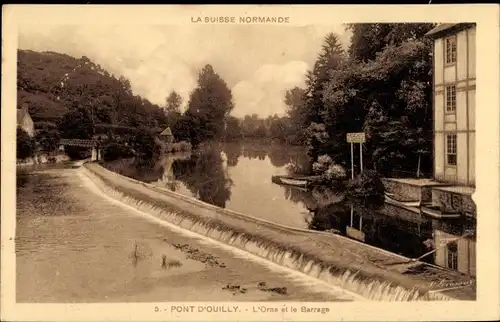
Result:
pixel 289 181
pixel 300 182
pixel 391 198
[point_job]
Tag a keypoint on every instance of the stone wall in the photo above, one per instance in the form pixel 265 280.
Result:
pixel 453 202
pixel 407 191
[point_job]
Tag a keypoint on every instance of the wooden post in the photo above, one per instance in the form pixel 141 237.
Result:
pixel 352 215
pixel 352 161
pixel 361 156
pixel 418 167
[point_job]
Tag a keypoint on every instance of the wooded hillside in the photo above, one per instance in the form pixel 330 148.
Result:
pixel 51 84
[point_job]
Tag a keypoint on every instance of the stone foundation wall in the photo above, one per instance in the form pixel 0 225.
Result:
pixel 407 191
pixel 453 202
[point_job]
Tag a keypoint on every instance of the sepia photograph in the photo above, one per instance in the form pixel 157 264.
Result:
pixel 242 157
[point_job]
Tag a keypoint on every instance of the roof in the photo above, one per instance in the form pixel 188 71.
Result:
pixel 446 28
pixel 166 132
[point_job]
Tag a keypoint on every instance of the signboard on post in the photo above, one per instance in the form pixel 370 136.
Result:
pixel 358 137
pixel 355 138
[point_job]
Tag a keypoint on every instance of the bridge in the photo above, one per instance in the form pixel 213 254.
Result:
pixel 94 145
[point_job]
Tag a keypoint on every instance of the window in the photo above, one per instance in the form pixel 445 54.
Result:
pixel 451 50
pixel 452 261
pixel 451 149
pixel 451 99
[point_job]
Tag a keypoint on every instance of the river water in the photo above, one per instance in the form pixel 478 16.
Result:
pixel 237 176
pixel 74 245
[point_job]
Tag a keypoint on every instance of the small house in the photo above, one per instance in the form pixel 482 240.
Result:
pixel 25 121
pixel 167 136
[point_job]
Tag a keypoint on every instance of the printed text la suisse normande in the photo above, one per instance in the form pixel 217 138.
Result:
pixel 242 19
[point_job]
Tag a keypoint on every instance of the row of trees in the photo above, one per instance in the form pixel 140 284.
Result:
pixel 230 129
pixel 380 85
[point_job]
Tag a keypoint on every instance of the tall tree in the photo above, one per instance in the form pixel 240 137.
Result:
pixel 296 110
pixel 173 108
pixel 329 59
pixel 384 89
pixel 209 105
pixel 368 39
pixel 173 103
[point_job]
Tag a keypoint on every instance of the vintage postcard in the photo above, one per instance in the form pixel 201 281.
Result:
pixel 250 163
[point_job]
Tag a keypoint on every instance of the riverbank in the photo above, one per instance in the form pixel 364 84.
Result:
pixel 365 270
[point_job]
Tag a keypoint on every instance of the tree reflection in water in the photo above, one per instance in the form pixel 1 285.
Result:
pixel 233 152
pixel 144 170
pixel 204 175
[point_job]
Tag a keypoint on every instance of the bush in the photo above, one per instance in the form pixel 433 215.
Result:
pixel 25 144
pixel 114 151
pixel 335 172
pixel 146 144
pixel 47 135
pixel 320 166
pixel 366 185
pixel 328 170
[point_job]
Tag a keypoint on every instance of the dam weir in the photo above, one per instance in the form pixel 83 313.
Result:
pixel 297 249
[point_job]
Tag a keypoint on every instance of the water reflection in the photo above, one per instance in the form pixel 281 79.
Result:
pixel 447 243
pixel 205 176
pixel 237 176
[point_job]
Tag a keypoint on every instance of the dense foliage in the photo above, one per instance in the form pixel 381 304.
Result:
pixel 114 151
pixel 25 144
pixel 380 86
pixel 47 136
pixel 52 84
pixel 208 108
pixel 75 98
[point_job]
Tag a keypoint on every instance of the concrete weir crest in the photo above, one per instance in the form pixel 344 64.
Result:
pixel 217 226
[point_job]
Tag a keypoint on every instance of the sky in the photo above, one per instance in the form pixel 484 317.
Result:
pixel 258 62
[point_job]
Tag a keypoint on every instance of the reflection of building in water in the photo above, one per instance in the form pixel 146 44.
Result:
pixel 452 251
pixel 384 226
pixel 403 232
